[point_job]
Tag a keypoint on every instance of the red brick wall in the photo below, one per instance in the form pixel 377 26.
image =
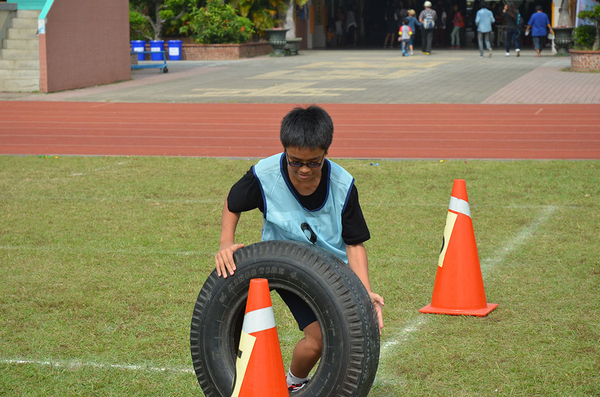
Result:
pixel 585 61
pixel 86 44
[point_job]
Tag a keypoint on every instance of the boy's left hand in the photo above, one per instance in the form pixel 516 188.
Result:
pixel 378 303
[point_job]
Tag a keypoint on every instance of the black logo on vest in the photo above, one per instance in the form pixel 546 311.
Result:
pixel 308 232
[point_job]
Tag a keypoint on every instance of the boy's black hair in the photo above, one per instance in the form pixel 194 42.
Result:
pixel 538 8
pixel 405 21
pixel 309 127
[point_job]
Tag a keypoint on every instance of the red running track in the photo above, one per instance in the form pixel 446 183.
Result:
pixel 252 130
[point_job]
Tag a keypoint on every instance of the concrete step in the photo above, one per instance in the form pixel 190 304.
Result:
pixel 26 55
pixel 19 85
pixel 6 74
pixel 24 23
pixel 28 14
pixel 18 33
pixel 21 44
pixel 19 64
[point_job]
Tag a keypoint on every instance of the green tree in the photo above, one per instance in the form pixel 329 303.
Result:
pixel 155 13
pixel 593 16
pixel 218 23
pixel 262 13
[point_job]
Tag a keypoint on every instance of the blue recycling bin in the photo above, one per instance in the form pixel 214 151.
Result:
pixel 155 47
pixel 175 50
pixel 138 46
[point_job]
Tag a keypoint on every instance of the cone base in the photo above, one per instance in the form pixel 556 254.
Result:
pixel 460 312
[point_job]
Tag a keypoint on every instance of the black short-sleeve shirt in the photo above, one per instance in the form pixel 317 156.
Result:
pixel 246 195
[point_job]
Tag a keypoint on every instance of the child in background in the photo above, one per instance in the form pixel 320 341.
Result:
pixel 331 38
pixel 404 36
pixel 413 23
pixel 459 22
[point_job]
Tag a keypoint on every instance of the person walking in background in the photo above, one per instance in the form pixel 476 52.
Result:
pixel 427 17
pixel 459 23
pixel 440 25
pixel 484 20
pixel 538 24
pixel 331 37
pixel 412 23
pixel 404 36
pixel 510 17
pixel 497 13
pixel 340 25
pixel 351 26
pixel 391 25
pixel 402 13
pixel 367 21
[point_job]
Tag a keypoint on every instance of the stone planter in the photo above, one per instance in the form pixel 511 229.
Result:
pixel 277 41
pixel 563 39
pixel 293 45
pixel 585 61
pixel 222 52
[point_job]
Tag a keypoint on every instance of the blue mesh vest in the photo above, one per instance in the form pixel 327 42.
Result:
pixel 285 218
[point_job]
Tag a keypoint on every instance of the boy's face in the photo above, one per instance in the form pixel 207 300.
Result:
pixel 303 173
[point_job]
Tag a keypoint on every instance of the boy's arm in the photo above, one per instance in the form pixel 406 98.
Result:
pixel 224 258
pixel 357 259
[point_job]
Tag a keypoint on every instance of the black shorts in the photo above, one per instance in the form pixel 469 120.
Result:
pixel 300 310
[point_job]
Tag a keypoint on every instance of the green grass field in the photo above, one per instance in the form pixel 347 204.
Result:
pixel 102 260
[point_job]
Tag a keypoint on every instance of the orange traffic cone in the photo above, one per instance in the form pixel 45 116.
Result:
pixel 259 366
pixel 458 287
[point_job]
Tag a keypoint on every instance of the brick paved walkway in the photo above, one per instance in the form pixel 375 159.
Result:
pixel 378 76
pixel 547 85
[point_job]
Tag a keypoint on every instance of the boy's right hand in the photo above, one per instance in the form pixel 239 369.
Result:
pixel 224 259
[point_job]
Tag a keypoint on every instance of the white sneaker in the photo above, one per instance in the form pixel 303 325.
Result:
pixel 296 388
pixel 518 52
pixel 507 54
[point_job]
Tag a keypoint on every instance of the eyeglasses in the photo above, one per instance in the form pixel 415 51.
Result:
pixel 298 164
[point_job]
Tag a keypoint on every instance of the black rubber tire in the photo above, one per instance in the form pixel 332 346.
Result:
pixel 337 296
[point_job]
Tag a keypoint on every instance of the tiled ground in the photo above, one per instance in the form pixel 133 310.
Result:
pixel 379 76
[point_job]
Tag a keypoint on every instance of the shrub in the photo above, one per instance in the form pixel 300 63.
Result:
pixel 218 23
pixel 593 15
pixel 584 36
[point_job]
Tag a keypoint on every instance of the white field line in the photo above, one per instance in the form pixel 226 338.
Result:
pixel 387 348
pixel 518 240
pixel 78 250
pixel 114 199
pixel 384 376
pixel 76 364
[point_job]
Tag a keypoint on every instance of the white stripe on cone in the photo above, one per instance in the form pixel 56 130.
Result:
pixel 259 320
pixel 460 206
